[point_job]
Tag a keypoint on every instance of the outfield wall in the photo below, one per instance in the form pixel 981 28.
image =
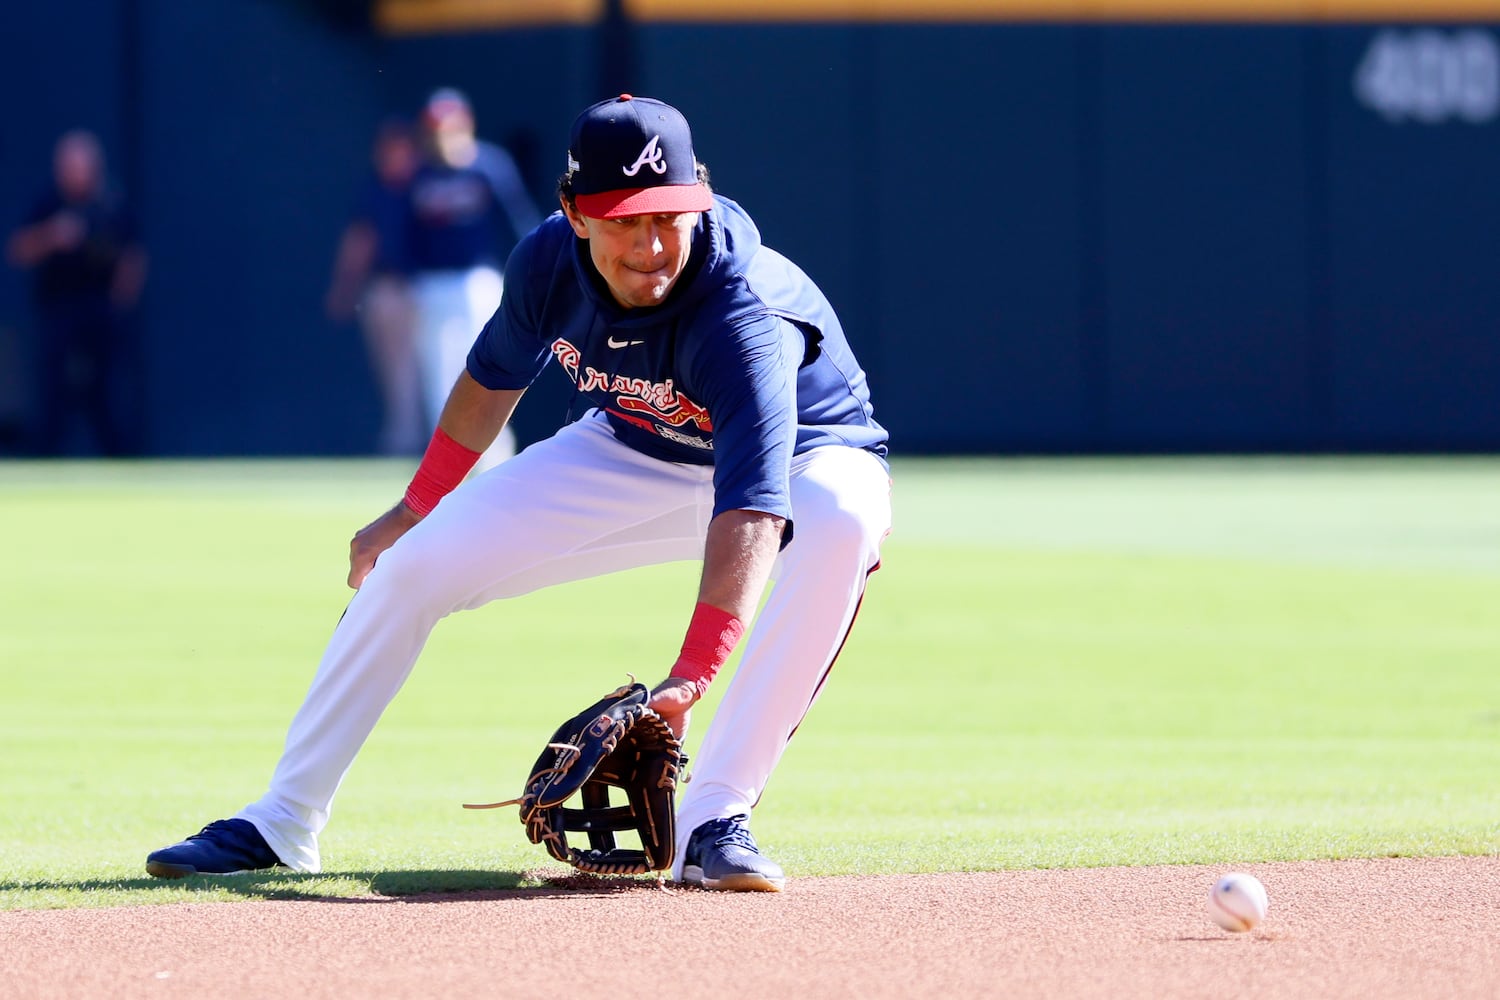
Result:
pixel 1044 237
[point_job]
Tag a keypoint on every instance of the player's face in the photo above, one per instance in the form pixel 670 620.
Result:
pixel 396 159
pixel 78 166
pixel 640 257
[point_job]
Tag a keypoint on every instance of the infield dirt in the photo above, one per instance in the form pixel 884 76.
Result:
pixel 1384 928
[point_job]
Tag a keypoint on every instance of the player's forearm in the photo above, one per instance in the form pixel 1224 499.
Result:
pixel 471 420
pixel 474 415
pixel 28 246
pixel 356 254
pixel 130 278
pixel 737 558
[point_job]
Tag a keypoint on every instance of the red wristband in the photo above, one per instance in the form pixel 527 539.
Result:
pixel 711 637
pixel 443 467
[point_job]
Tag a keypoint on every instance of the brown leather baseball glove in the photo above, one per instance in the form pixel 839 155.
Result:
pixel 617 742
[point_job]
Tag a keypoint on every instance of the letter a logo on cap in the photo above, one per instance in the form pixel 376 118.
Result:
pixel 651 156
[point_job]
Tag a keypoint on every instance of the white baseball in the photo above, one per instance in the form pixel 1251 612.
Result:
pixel 1237 902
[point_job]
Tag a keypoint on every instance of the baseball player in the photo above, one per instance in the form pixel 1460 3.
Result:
pixel 467 206
pixel 726 421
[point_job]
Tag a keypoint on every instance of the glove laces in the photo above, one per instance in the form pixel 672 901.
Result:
pixel 558 768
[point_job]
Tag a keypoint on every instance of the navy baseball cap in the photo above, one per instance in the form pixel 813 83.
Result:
pixel 634 156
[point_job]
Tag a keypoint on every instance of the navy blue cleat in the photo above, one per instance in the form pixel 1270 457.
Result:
pixel 223 847
pixel 721 854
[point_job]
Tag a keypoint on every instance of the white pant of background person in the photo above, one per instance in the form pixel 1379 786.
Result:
pixel 580 504
pixel 452 307
pixel 388 319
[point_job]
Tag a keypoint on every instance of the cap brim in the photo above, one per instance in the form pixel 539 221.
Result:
pixel 645 201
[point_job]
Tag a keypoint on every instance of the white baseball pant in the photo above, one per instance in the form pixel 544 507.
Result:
pixel 580 504
pixel 452 307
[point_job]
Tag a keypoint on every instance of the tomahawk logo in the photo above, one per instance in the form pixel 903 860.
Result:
pixel 651 156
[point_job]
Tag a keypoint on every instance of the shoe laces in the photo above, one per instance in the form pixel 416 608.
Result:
pixel 731 832
pixel 219 831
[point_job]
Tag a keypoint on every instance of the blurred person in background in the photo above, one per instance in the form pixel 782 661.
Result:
pixel 468 208
pixel 371 272
pixel 88 269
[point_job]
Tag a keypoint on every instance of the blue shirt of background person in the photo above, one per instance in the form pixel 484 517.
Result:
pixel 374 242
pixel 382 205
pixel 468 205
pixel 84 266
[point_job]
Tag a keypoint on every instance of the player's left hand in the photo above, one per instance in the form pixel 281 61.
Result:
pixel 673 699
pixel 374 538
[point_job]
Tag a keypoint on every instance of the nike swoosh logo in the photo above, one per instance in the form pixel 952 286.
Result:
pixel 617 344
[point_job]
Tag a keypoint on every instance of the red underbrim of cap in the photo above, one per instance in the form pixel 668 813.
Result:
pixel 645 201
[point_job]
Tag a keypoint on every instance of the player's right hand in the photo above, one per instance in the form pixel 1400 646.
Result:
pixel 374 538
pixel 673 699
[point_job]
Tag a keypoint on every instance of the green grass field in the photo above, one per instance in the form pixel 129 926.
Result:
pixel 1062 663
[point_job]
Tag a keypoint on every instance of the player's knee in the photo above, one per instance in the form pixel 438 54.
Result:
pixel 415 571
pixel 840 532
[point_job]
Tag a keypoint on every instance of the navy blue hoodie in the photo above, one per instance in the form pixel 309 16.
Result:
pixel 743 366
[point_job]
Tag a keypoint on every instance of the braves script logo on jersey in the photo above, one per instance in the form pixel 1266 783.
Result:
pixel 651 156
pixel 655 406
